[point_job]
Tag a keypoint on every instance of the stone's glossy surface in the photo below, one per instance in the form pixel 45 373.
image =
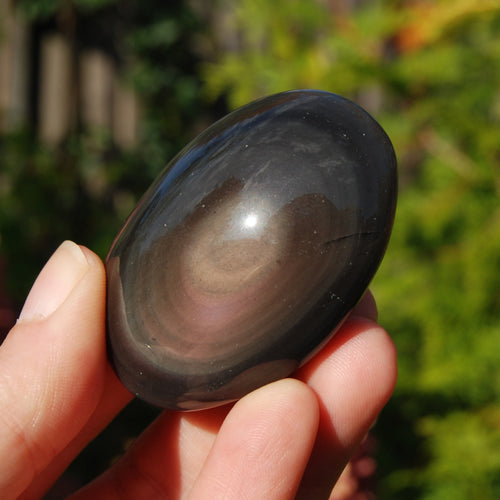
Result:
pixel 249 250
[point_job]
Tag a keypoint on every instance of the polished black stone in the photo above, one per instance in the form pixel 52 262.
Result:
pixel 249 249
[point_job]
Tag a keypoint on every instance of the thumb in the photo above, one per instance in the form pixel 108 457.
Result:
pixel 52 366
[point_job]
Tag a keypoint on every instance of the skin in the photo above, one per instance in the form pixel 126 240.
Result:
pixel 289 439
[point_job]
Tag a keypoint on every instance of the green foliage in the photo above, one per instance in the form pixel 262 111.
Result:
pixel 47 196
pixel 430 73
pixel 43 9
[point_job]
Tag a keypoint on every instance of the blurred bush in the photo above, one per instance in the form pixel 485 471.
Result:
pixel 429 71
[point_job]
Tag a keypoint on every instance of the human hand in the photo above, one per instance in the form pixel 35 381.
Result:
pixel 289 439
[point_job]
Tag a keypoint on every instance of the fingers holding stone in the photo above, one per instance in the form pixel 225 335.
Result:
pixel 258 451
pixel 353 378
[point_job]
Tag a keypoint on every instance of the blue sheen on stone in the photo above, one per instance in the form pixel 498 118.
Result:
pixel 249 250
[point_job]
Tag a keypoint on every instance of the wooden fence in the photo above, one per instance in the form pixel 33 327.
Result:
pixel 44 82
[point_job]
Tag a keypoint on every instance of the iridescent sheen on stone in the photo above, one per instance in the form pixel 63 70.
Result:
pixel 249 250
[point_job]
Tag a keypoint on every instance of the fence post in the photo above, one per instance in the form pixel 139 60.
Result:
pixel 54 100
pixel 14 68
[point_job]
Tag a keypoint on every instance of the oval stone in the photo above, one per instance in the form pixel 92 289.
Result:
pixel 249 250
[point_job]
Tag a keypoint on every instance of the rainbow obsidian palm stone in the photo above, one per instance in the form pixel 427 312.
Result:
pixel 249 250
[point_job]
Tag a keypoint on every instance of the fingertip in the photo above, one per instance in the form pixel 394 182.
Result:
pixel 263 445
pixel 388 361
pixel 353 376
pixel 60 275
pixel 288 404
pixel 288 395
pixel 92 258
pixel 366 307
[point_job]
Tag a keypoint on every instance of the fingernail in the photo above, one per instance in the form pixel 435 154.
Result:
pixel 62 272
pixel 366 307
